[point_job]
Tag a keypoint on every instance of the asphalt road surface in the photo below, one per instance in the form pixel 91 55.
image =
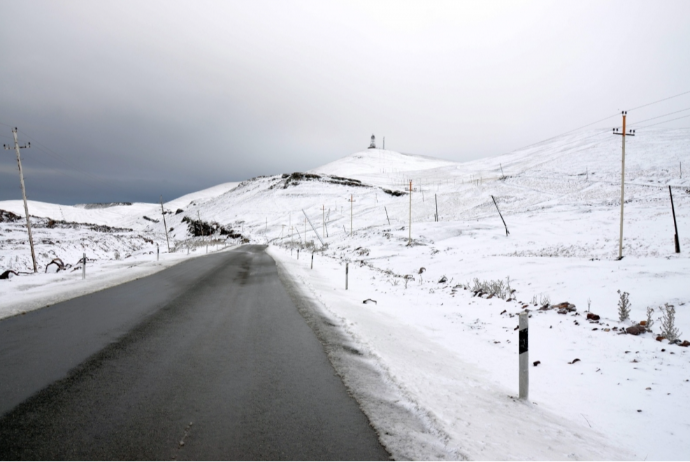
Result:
pixel 208 359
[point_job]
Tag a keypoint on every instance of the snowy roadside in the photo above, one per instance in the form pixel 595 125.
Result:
pixel 467 413
pixel 31 292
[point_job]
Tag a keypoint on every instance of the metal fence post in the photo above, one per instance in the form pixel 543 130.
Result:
pixel 524 355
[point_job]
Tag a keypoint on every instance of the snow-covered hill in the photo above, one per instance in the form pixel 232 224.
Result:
pixel 561 203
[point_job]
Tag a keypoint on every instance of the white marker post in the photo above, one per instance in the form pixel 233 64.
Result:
pixel 524 356
pixel 83 267
pixel 347 270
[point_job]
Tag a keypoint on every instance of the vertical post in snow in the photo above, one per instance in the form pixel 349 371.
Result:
pixel 524 355
pixel 158 252
pixel 389 220
pixel 312 260
pixel 351 200
pixel 675 226
pixel 409 239
pixel 26 207
pixel 165 225
pixel 347 270
pixel 500 215
pixel 83 267
pixel 298 254
pixel 436 201
pixel 623 134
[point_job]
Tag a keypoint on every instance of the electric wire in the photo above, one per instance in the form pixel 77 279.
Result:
pixel 659 101
pixel 663 115
pixel 663 122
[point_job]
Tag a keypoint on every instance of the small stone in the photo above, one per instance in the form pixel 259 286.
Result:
pixel 593 317
pixel 536 363
pixel 635 330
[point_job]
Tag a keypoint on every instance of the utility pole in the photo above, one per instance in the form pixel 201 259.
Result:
pixel 675 225
pixel 165 225
pixel 26 207
pixel 409 241
pixel 623 133
pixel 201 225
pixel 351 201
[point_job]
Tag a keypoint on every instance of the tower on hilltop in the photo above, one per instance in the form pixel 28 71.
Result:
pixel 372 145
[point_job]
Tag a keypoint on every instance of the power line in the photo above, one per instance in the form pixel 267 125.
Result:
pixel 670 97
pixel 665 121
pixel 664 115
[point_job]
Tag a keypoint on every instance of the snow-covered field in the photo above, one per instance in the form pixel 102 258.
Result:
pixel 451 355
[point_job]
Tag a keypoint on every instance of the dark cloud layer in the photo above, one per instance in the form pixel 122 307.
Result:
pixel 125 101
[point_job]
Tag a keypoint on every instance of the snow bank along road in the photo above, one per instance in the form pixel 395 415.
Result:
pixel 209 359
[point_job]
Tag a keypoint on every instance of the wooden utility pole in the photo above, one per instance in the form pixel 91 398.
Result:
pixel 675 237
pixel 202 226
pixel 165 225
pixel 351 201
pixel 623 133
pixel 26 207
pixel 409 239
pixel 436 202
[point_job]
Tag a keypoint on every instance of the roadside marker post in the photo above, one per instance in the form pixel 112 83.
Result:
pixel 312 260
pixel 347 270
pixel 158 252
pixel 83 267
pixel 523 347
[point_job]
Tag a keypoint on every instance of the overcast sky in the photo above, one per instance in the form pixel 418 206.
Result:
pixel 128 100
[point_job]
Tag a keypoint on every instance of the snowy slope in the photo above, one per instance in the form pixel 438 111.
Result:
pixel 452 356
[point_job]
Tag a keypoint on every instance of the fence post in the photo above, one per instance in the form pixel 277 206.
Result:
pixel 83 267
pixel 524 355
pixel 347 270
pixel 298 254
pixel 312 260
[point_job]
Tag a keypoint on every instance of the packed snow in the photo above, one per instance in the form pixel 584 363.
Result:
pixel 445 349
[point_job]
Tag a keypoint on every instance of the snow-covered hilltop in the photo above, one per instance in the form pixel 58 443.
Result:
pixel 561 202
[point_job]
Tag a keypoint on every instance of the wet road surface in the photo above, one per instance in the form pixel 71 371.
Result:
pixel 208 359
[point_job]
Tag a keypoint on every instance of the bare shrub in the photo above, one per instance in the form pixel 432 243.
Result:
pixel 623 306
pixel 668 323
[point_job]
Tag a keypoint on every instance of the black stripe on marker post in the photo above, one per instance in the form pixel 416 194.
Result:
pixel 523 341
pixel 523 348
